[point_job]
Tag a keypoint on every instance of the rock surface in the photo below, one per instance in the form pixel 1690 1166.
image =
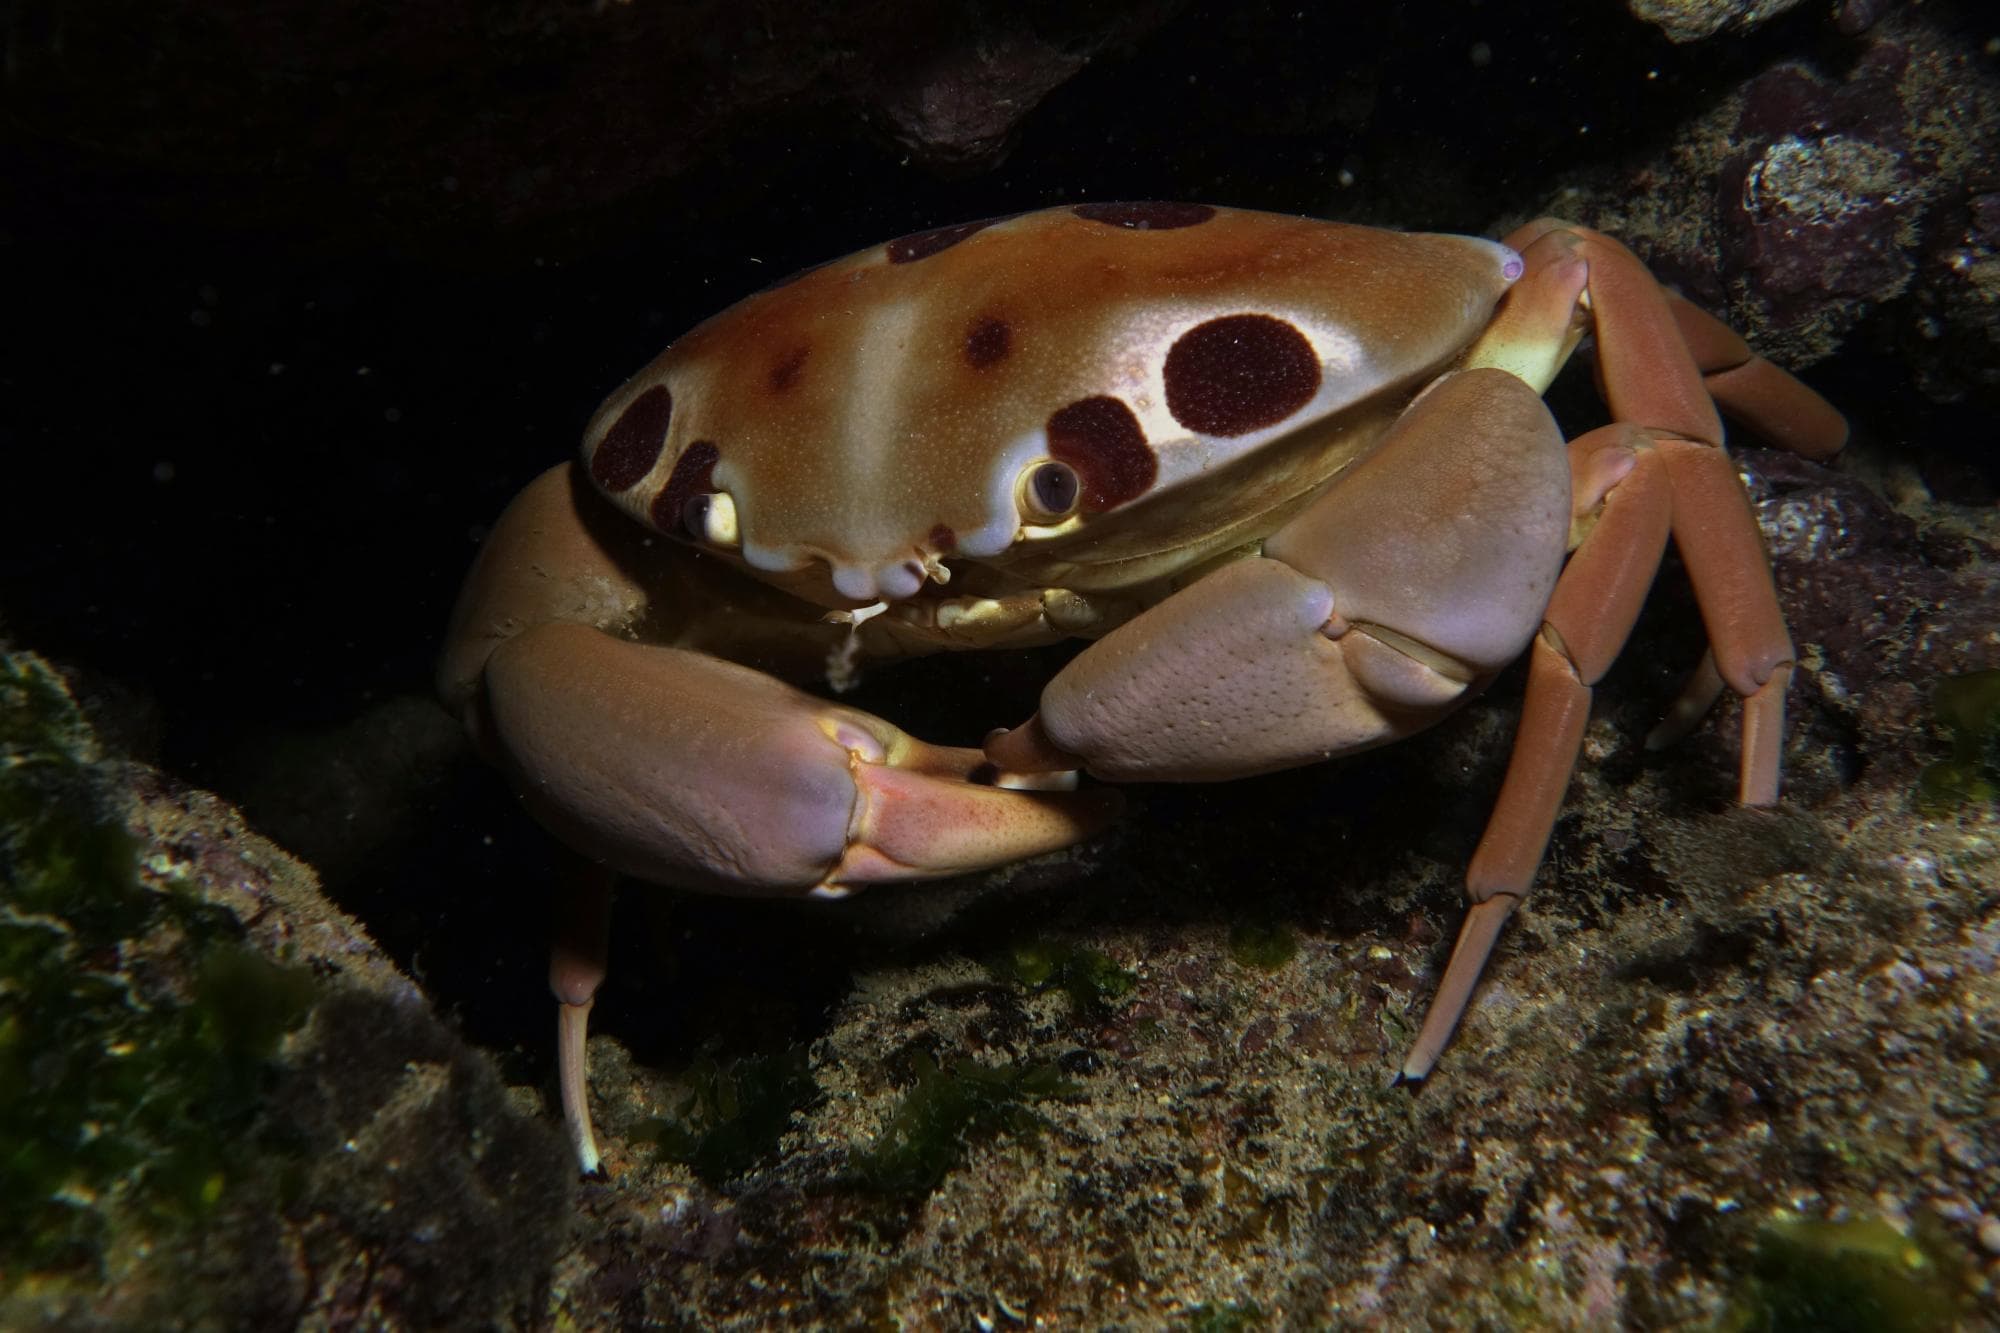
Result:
pixel 1694 20
pixel 1808 202
pixel 354 1162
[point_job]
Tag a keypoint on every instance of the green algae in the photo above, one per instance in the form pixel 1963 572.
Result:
pixel 1967 706
pixel 1223 1317
pixel 926 1135
pixel 136 1032
pixel 1265 946
pixel 735 1112
pixel 1091 980
pixel 1860 1276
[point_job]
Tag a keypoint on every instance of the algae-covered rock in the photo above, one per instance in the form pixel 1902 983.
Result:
pixel 1858 1276
pixel 1823 192
pixel 1968 707
pixel 220 1106
pixel 1693 20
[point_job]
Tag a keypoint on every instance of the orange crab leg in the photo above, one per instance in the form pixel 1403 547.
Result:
pixel 577 964
pixel 1595 605
pixel 1679 479
pixel 1776 407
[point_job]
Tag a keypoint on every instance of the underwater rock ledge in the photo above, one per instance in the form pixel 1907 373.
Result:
pixel 221 1105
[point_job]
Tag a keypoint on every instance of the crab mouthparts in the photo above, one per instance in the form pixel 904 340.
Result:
pixel 892 582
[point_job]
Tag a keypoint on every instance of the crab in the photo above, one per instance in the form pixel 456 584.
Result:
pixel 1294 478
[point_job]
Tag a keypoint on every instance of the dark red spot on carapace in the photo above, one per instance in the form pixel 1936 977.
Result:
pixel 785 373
pixel 1103 441
pixel 1239 373
pixel 693 474
pixel 632 445
pixel 987 342
pixel 924 244
pixel 942 539
pixel 1146 215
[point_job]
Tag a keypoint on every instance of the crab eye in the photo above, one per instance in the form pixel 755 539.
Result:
pixel 694 516
pixel 710 518
pixel 1050 490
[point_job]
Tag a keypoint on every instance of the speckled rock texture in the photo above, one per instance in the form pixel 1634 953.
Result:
pixel 1693 20
pixel 1812 200
pixel 379 1173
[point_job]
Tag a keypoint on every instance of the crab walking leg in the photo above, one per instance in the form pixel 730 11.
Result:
pixel 1652 352
pixel 1651 380
pixel 1775 406
pixel 1596 603
pixel 577 963
pixel 1751 652
pixel 1699 692
pixel 1724 553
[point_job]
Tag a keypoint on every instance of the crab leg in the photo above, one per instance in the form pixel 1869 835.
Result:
pixel 1596 603
pixel 1681 479
pixel 577 963
pixel 1777 408
pixel 1650 379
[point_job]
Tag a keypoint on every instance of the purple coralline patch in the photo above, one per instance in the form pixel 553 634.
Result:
pixel 1881 606
pixel 1815 203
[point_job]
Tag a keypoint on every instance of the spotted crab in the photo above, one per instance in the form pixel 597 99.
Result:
pixel 1294 478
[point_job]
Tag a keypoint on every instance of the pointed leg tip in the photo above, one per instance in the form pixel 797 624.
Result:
pixel 1407 1077
pixel 583 1143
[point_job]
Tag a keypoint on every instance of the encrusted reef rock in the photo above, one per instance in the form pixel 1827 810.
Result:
pixel 1692 20
pixel 1884 605
pixel 1696 20
pixel 222 1106
pixel 1812 198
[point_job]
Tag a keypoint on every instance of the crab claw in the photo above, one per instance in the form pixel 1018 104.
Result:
pixel 707 775
pixel 1378 609
pixel 683 769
